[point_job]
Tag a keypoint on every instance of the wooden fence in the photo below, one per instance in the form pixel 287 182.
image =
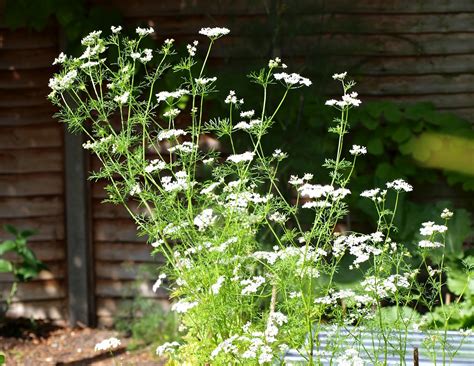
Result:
pixel 412 50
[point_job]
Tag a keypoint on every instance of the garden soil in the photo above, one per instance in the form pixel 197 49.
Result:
pixel 42 343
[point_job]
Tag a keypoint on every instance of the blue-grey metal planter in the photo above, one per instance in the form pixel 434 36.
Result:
pixel 412 348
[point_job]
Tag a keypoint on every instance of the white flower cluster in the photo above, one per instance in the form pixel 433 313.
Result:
pixel 144 31
pixel 340 76
pixel 280 155
pixel 158 282
pixel 88 145
pixel 242 125
pixel 167 134
pixel 214 33
pixel 296 181
pixel 276 62
pixel 350 358
pixel 278 217
pixel 108 344
pixel 232 99
pixel 358 150
pixel 165 95
pixel 429 229
pixel 135 190
pixel 186 147
pixel 252 284
pixel 239 158
pixel 446 214
pixel 334 296
pixel 60 59
pixel 205 81
pixel 64 82
pixel 154 165
pixel 247 114
pixel 116 30
pixel 358 246
pixel 91 39
pixel 144 56
pixel 316 191
pixel 122 99
pixel 167 347
pixel 182 306
pixel 348 100
pixel 180 184
pixel 171 113
pixel 400 185
pixel 384 287
pixel 192 48
pixel 215 288
pixel 375 194
pixel 293 79
pixel 275 320
pixel 205 219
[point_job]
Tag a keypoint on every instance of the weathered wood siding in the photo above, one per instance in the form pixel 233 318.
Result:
pixel 31 167
pixel 411 50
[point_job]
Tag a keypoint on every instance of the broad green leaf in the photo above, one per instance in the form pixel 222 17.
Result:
pixel 401 134
pixel 375 146
pixel 459 229
pixel 5 266
pixel 7 246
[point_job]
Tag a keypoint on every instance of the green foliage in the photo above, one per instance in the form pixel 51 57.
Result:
pixel 26 267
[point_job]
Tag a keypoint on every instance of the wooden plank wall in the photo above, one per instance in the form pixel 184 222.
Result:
pixel 31 166
pixel 411 50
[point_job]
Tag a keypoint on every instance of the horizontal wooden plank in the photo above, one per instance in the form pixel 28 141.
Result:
pixel 35 97
pixel 116 230
pixel 310 23
pixel 25 207
pixel 109 211
pixel 127 270
pixel 18 79
pixel 23 137
pixel 37 309
pixel 31 161
pixel 114 252
pixel 119 289
pixel 233 7
pixel 466 113
pixel 31 184
pixel 47 252
pixel 56 270
pixel 36 290
pixel 18 116
pixel 415 84
pixel 28 39
pixel 454 101
pixel 47 228
pixel 20 59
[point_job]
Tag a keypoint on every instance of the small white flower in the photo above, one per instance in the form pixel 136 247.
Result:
pixel 214 33
pixel 91 38
pixel 167 134
pixel 446 214
pixel 278 217
pixel 155 165
pixel 205 81
pixel 147 55
pixel 107 344
pixel 172 113
pixel 168 347
pixel 122 99
pixel 205 219
pixel 252 285
pixel 429 228
pixel 293 79
pixel 182 306
pixel 169 41
pixel 400 185
pixel 144 31
pixel 164 95
pixel 158 282
pixel 232 98
pixel 135 190
pixel 60 59
pixel 340 76
pixel 278 154
pixel 192 48
pixel 116 30
pixel 358 150
pixel 247 114
pixel 239 158
pixel 217 286
pixel 430 244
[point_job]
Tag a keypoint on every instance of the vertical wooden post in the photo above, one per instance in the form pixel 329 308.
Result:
pixel 416 358
pixel 81 307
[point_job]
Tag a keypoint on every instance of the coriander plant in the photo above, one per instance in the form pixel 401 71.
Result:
pixel 247 277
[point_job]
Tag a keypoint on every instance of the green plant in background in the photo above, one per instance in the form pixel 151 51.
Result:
pixel 26 268
pixel 137 312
